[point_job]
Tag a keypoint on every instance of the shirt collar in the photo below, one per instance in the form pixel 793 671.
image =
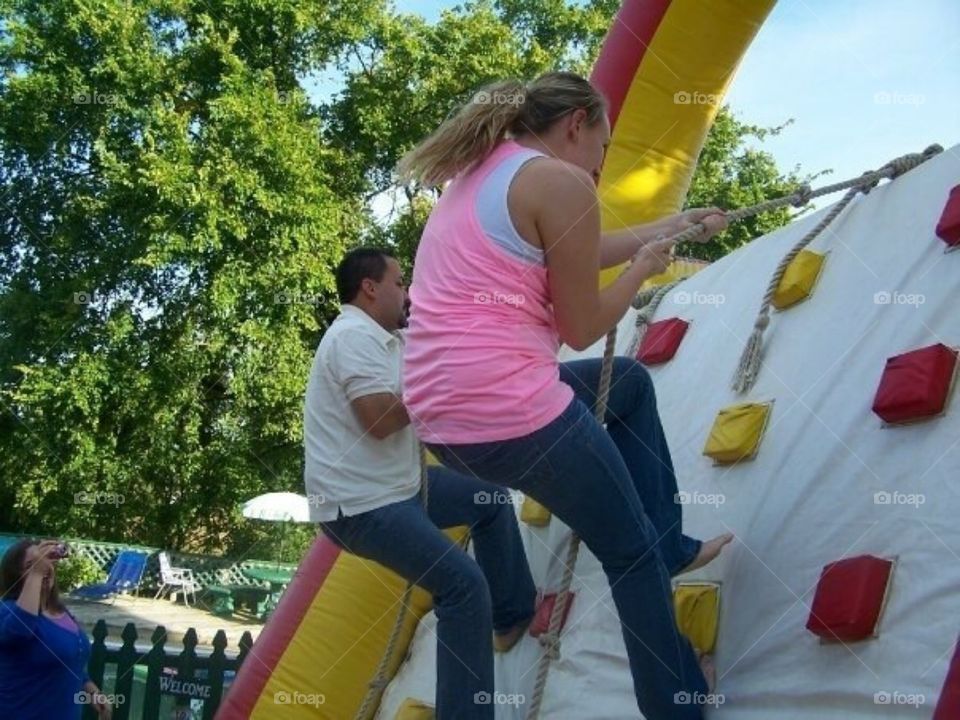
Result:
pixel 384 335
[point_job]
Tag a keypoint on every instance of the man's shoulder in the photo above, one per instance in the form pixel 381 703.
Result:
pixel 350 339
pixel 345 328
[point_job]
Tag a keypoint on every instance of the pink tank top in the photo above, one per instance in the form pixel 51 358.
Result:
pixel 481 350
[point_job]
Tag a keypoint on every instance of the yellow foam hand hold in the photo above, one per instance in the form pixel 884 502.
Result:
pixel 736 432
pixel 414 710
pixel 697 606
pixel 798 279
pixel 533 513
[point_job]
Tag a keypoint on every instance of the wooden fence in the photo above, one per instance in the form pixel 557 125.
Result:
pixel 182 678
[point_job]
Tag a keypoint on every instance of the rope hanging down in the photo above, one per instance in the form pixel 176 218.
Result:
pixel 551 638
pixel 371 699
pixel 749 366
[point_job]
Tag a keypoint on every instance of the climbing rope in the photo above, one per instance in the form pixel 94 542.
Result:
pixel 551 638
pixel 749 365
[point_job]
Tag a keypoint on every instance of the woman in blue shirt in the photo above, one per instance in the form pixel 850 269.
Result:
pixel 43 650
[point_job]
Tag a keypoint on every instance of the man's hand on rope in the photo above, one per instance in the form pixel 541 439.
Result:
pixel 713 219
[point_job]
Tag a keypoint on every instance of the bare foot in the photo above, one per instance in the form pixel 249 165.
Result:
pixel 503 642
pixel 708 552
pixel 709 670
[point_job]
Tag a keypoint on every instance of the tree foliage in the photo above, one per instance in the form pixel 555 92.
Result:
pixel 174 203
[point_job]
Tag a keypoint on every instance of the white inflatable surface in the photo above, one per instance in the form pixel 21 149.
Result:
pixel 807 499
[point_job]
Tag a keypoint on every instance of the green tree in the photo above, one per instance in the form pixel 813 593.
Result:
pixel 731 173
pixel 173 206
pixel 165 260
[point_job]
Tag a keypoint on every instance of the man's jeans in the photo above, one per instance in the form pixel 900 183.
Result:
pixel 471 598
pixel 616 489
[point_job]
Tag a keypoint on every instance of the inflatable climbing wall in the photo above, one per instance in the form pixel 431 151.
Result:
pixel 837 472
pixel 834 470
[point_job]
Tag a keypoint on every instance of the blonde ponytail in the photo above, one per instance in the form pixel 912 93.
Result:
pixel 469 135
pixel 496 110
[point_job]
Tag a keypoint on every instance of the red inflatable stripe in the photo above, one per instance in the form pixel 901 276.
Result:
pixel 277 634
pixel 624 48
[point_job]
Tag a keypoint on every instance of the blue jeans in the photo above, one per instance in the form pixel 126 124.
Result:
pixel 471 598
pixel 616 489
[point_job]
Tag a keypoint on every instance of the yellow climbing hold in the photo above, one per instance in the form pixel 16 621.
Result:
pixel 533 513
pixel 412 709
pixel 697 606
pixel 798 279
pixel 737 432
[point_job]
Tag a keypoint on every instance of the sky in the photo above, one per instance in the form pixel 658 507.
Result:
pixel 863 80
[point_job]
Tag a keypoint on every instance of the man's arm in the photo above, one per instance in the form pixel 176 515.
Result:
pixel 381 414
pixel 366 372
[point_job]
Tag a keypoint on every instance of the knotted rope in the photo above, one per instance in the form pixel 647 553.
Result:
pixel 749 367
pixel 749 364
pixel 551 638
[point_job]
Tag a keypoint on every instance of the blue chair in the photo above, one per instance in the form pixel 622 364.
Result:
pixel 125 575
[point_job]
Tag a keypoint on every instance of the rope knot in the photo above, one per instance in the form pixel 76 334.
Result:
pixel 551 643
pixel 866 187
pixel 802 196
pixel 898 166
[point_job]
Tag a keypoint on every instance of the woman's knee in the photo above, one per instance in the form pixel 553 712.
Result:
pixel 633 543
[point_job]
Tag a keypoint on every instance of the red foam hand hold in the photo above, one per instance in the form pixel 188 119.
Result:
pixel 661 341
pixel 541 619
pixel 849 598
pixel 948 706
pixel 948 229
pixel 916 384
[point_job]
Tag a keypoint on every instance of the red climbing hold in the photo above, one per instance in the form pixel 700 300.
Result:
pixel 948 229
pixel 661 341
pixel 849 598
pixel 541 618
pixel 916 384
pixel 948 706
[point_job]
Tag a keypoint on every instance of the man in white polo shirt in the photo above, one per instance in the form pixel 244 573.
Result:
pixel 362 476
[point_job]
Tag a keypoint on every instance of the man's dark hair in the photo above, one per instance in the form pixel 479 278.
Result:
pixel 357 265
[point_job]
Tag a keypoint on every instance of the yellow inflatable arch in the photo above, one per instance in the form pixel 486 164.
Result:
pixel 664 67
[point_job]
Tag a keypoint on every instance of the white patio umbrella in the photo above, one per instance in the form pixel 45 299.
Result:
pixel 278 507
